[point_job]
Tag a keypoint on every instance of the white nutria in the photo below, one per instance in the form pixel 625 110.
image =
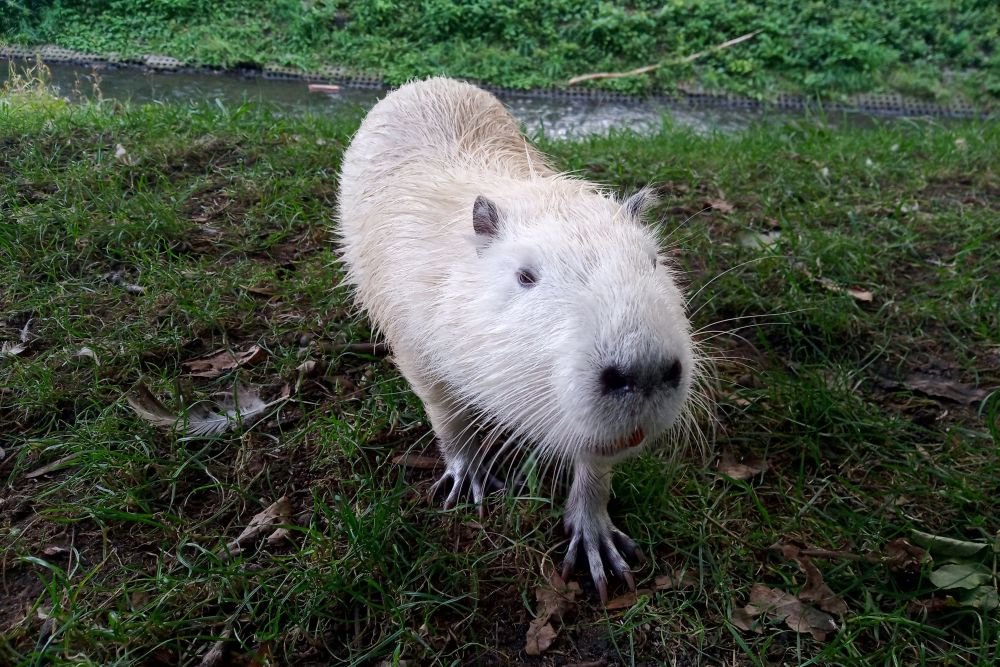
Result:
pixel 515 296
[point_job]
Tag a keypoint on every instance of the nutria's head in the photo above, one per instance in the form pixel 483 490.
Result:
pixel 584 348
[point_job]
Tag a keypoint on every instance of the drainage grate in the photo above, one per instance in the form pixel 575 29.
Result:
pixel 873 104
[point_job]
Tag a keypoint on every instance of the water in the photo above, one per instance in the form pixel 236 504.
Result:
pixel 555 117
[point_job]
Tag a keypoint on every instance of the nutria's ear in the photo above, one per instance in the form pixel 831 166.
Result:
pixel 639 202
pixel 485 218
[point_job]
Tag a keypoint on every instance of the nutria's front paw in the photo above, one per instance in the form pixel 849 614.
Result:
pixel 603 545
pixel 464 473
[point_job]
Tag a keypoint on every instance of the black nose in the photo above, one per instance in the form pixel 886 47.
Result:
pixel 644 378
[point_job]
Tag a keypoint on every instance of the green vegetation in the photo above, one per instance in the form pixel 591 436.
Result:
pixel 937 49
pixel 152 235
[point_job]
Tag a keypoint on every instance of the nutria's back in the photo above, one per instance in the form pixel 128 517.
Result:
pixel 447 123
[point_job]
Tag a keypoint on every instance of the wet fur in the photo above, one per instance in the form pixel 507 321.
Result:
pixel 476 347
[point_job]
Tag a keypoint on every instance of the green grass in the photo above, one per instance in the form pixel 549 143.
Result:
pixel 932 49
pixel 222 216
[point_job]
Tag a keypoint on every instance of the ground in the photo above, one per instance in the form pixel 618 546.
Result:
pixel 845 279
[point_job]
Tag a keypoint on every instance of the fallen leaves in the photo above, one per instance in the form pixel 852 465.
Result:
pixel 749 467
pixel 557 598
pixel 815 589
pixel 795 611
pixel 216 363
pixel 553 602
pixel 936 386
pixel 265 521
pixel 239 408
pixel 720 205
pixel 780 606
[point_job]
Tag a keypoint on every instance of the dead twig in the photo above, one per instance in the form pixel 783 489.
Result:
pixel 649 68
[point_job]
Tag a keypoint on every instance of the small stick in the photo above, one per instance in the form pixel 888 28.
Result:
pixel 374 349
pixel 649 68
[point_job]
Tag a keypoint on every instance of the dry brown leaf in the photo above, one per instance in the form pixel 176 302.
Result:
pixel 417 461
pixel 720 205
pixel 278 536
pixel 278 512
pixel 781 606
pixel 901 556
pixel 666 582
pixel 939 387
pixel 751 466
pixel 219 362
pixel 553 601
pixel 815 589
pixel 861 294
pixel 628 599
pixel 55 465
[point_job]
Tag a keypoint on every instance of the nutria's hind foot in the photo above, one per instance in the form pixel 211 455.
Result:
pixel 465 473
pixel 604 547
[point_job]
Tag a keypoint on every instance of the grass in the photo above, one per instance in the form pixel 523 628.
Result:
pixel 221 215
pixel 940 50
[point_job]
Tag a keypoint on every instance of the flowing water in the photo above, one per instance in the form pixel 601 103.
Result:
pixel 561 117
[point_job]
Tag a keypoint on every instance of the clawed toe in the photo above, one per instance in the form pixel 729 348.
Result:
pixel 606 549
pixel 459 477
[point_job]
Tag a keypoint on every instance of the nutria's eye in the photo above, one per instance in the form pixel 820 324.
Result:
pixel 526 278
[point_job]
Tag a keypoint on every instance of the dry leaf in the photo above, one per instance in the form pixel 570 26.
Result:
pixel 553 601
pixel 939 387
pixel 780 606
pixel 860 294
pixel 417 461
pixel 278 512
pixel 218 362
pixel 243 407
pixel 728 465
pixel 901 556
pixel 720 205
pixel 666 582
pixel 278 536
pixel 51 467
pixel 628 599
pixel 9 349
pixel 55 551
pixel 815 589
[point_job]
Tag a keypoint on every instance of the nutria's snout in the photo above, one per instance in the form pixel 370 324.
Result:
pixel 644 378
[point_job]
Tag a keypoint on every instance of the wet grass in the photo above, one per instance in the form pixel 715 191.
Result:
pixel 220 217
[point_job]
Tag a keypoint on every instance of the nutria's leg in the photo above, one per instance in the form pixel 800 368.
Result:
pixel 590 528
pixel 461 444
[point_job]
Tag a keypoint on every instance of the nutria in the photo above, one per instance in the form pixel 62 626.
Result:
pixel 516 300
